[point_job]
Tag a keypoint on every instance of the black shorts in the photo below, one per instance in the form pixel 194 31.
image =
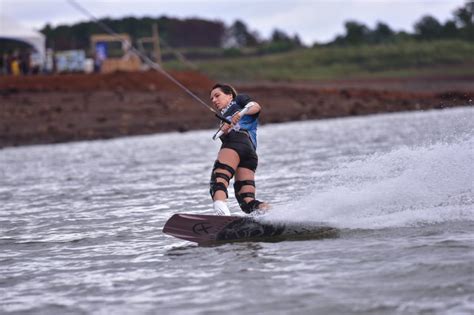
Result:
pixel 240 142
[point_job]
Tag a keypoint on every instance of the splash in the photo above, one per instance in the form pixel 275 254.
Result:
pixel 410 186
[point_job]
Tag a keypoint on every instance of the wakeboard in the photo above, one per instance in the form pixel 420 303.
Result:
pixel 209 229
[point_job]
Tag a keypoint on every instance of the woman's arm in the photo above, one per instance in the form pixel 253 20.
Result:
pixel 250 109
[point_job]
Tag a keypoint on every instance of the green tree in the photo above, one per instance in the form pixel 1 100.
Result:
pixel 450 30
pixel 356 33
pixel 463 18
pixel 297 41
pixel 428 28
pixel 382 33
pixel 464 15
pixel 239 33
pixel 175 32
pixel 280 36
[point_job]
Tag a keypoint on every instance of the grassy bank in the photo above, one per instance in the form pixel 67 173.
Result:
pixel 394 60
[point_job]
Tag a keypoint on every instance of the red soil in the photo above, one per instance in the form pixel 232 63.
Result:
pixel 59 108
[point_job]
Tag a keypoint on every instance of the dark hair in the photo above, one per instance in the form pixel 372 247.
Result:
pixel 226 89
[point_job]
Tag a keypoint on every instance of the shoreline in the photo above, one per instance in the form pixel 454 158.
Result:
pixel 73 107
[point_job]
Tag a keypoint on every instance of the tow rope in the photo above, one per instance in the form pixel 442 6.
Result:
pixel 147 60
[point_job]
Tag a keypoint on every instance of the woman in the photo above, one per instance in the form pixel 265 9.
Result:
pixel 237 155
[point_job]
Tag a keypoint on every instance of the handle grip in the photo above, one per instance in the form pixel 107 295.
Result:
pixel 227 121
pixel 218 134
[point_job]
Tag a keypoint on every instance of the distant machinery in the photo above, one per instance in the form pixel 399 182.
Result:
pixel 105 63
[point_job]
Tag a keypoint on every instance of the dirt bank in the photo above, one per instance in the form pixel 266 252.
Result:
pixel 60 108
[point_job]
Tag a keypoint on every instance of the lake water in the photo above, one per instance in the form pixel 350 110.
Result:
pixel 81 223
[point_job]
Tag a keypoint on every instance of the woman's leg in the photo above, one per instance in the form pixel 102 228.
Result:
pixel 223 171
pixel 245 191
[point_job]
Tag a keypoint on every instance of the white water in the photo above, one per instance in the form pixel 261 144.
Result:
pixel 409 186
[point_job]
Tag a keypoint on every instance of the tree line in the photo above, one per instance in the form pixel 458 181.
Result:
pixel 460 26
pixel 196 32
pixel 173 32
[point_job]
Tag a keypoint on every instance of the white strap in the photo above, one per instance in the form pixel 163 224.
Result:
pixel 246 108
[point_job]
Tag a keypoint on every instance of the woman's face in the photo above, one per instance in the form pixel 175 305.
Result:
pixel 219 99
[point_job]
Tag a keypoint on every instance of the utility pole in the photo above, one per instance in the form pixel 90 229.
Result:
pixel 156 44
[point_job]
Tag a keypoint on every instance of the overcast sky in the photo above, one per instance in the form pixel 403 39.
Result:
pixel 312 20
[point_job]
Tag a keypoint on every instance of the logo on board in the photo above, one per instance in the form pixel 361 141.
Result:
pixel 201 228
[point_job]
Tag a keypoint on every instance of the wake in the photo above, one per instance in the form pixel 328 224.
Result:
pixel 410 186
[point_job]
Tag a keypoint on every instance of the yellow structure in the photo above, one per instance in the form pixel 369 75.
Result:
pixel 128 62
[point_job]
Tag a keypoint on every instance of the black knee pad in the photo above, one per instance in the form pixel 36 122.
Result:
pixel 250 206
pixel 214 184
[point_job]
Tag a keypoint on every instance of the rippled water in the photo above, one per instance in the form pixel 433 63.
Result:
pixel 81 222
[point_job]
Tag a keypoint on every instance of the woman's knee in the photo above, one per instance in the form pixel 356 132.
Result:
pixel 220 177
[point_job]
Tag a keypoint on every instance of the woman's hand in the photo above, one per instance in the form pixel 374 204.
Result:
pixel 236 118
pixel 226 128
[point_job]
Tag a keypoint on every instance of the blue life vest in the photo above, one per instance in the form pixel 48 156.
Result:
pixel 248 123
